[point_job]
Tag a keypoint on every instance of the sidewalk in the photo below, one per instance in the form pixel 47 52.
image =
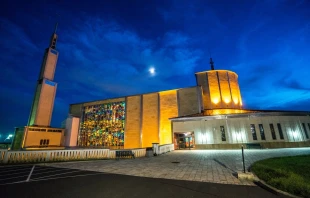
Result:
pixel 216 166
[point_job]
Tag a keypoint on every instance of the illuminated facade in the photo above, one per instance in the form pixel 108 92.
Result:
pixel 220 89
pixel 208 115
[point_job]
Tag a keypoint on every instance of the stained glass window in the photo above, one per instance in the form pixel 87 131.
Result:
pixel 103 125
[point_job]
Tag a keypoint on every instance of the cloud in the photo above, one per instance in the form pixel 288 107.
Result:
pixel 116 60
pixel 102 56
pixel 175 39
pixel 16 40
pixel 191 15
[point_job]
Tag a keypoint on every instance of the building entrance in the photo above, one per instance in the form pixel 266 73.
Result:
pixel 184 140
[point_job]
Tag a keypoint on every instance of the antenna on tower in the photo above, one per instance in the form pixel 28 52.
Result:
pixel 56 25
pixel 212 64
pixel 211 61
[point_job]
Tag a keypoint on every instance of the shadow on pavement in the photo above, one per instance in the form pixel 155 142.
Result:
pixel 113 185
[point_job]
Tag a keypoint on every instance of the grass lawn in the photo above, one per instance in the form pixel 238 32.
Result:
pixel 290 174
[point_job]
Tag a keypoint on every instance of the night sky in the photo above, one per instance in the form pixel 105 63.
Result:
pixel 106 50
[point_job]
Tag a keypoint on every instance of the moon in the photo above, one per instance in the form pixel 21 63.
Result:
pixel 152 70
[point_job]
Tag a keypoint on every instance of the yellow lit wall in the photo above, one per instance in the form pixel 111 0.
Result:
pixel 225 88
pixel 220 89
pixel 168 109
pixel 226 111
pixel 214 88
pixel 133 123
pixel 32 138
pixel 150 119
pixel 235 90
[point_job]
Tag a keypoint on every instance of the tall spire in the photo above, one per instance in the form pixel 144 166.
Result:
pixel 212 64
pixel 43 102
pixel 54 38
pixel 56 25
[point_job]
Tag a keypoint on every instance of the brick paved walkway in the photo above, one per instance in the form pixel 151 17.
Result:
pixel 218 166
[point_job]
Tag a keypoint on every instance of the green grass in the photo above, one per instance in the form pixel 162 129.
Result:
pixel 290 174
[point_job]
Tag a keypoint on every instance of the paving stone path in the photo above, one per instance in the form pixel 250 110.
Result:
pixel 218 166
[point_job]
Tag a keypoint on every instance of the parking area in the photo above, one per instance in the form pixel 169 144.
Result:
pixel 53 182
pixel 215 166
pixel 28 173
pixel 186 173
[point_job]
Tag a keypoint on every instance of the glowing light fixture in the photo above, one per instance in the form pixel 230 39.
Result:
pixel 294 133
pixel 227 100
pixel 215 100
pixel 236 100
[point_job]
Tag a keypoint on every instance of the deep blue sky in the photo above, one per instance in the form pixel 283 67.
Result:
pixel 105 50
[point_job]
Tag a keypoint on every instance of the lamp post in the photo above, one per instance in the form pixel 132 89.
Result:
pixel 243 159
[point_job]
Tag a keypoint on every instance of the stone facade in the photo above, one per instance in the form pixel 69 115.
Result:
pixel 168 109
pixel 150 119
pixel 133 122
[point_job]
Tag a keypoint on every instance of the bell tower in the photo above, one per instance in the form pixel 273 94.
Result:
pixel 220 89
pixel 43 102
pixel 38 133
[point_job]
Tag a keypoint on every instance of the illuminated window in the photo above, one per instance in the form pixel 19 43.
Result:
pixel 262 133
pixel 223 133
pixel 305 130
pixel 280 131
pixel 253 132
pixel 103 125
pixel 273 133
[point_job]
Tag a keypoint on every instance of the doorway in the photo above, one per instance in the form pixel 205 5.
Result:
pixel 184 140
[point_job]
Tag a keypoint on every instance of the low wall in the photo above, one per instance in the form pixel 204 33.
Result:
pixel 165 148
pixel 285 144
pixel 39 156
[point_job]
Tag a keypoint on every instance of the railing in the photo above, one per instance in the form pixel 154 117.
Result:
pixel 11 157
pixel 137 152
pixel 2 155
pixel 165 148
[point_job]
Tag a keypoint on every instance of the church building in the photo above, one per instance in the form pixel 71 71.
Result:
pixel 206 116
